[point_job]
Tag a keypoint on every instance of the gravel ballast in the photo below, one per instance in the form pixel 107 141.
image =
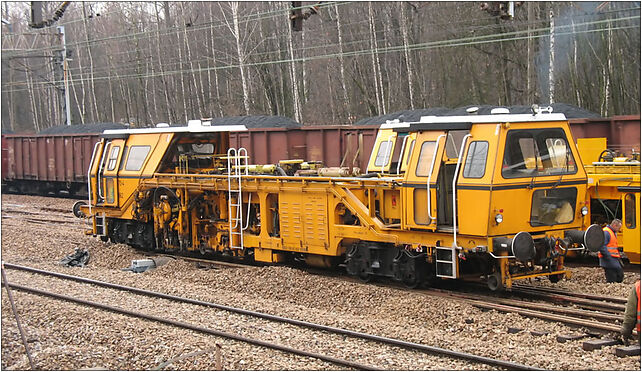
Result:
pixel 66 336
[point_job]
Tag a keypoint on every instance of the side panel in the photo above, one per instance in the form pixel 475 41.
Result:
pixel 304 221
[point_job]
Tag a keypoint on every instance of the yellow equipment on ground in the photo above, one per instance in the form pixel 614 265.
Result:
pixel 614 191
pixel 480 197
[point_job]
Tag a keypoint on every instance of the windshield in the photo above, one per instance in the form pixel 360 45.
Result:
pixel 537 152
pixel 553 206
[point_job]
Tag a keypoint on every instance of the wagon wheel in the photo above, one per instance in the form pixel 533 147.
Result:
pixel 76 209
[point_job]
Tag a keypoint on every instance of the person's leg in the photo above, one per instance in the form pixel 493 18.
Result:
pixel 610 274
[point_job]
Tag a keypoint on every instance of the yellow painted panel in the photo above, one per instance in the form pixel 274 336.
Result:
pixel 290 219
pixel 590 149
pixel 472 208
pixel 315 220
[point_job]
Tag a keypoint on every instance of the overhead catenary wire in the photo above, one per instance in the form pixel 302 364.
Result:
pixel 252 17
pixel 468 41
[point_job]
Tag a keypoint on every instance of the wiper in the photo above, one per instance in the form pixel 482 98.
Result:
pixel 532 183
pixel 558 182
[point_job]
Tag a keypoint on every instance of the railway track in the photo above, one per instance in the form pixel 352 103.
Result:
pixel 490 362
pixel 595 313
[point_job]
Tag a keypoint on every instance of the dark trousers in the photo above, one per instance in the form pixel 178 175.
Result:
pixel 614 275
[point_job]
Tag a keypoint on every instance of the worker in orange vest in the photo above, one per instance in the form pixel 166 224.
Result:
pixel 630 319
pixel 610 255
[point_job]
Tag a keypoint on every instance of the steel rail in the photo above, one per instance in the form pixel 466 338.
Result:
pixel 618 300
pixel 546 315
pixel 604 306
pixel 341 331
pixel 196 328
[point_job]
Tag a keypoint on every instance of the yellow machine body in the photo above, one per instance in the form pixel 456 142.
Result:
pixel 613 191
pixel 496 197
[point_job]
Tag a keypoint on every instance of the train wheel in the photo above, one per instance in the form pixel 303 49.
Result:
pixel 494 281
pixel 364 276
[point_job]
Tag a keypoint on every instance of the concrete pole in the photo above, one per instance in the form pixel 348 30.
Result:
pixel 61 30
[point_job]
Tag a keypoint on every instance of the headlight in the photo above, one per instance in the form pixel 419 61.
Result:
pixel 499 218
pixel 584 211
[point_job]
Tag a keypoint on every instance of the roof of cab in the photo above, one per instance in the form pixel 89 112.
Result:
pixel 193 126
pixel 466 122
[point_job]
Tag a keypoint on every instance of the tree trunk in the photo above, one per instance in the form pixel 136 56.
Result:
pixel 373 39
pixel 344 90
pixel 404 34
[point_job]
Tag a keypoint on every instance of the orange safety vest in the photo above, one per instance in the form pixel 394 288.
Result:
pixel 612 246
pixel 637 292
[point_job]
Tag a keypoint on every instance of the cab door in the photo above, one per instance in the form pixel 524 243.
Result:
pixel 421 180
pixel 109 176
pixel 631 226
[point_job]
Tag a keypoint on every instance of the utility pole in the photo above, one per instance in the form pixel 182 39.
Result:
pixel 551 66
pixel 66 104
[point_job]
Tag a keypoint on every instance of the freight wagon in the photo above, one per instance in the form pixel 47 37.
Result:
pixel 58 163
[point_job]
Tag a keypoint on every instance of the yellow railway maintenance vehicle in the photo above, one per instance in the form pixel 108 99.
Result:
pixel 614 191
pixel 494 197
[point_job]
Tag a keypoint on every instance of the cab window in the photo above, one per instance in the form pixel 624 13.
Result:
pixel 475 166
pixel 383 154
pixel 629 211
pixel 113 157
pixel 136 158
pixel 537 152
pixel 553 206
pixel 425 158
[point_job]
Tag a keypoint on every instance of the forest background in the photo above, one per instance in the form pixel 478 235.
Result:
pixel 142 63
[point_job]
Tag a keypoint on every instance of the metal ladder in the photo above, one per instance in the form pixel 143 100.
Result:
pixel 101 226
pixel 236 162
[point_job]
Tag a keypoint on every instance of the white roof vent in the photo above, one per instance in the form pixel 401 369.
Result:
pixel 162 125
pixel 194 123
pixel 472 110
pixel 499 110
pixel 206 122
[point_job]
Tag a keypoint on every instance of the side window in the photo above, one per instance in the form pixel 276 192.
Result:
pixel 113 157
pixel 629 211
pixel 136 158
pixel 383 155
pixel 475 166
pixel 425 158
pixel 411 147
pixel 453 142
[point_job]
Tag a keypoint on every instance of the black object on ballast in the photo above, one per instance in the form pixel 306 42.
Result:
pixel 79 258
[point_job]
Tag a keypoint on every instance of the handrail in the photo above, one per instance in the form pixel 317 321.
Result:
pixel 432 169
pixel 100 169
pixel 389 153
pixel 249 197
pixel 403 148
pixel 461 153
pixel 91 163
